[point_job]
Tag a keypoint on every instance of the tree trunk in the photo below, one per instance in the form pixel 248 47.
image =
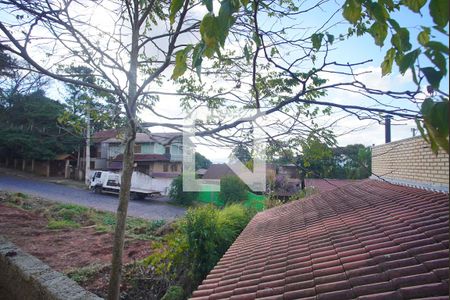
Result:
pixel 124 197
pixel 128 161
pixel 88 146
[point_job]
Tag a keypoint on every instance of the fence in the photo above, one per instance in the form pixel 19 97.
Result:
pixel 254 201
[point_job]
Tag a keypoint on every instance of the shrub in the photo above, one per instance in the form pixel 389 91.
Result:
pixel 231 221
pixel 201 229
pixel 200 240
pixel 169 258
pixel 177 195
pixel 174 292
pixel 272 201
pixel 232 189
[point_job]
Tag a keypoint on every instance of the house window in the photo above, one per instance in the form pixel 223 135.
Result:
pixel 173 168
pixel 137 148
pixel 165 167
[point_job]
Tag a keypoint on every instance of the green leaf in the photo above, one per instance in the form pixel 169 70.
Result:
pixel 208 4
pixel 378 12
pixel 352 11
pixel 225 19
pixel 386 66
pixel 415 5
pixel 247 53
pixel 316 40
pixel 438 46
pixel 433 77
pixel 256 39
pixel 330 38
pixel 401 40
pixel 424 36
pixel 439 12
pixel 435 119
pixel 394 24
pixel 209 32
pixel 439 117
pixel 378 31
pixel 438 59
pixel 421 130
pixel 197 58
pixel 180 62
pixel 175 6
pixel 408 60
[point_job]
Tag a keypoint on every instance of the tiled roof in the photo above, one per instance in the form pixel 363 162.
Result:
pixel 100 136
pixel 217 171
pixel 165 174
pixel 144 157
pixel 368 240
pixel 162 138
pixel 324 185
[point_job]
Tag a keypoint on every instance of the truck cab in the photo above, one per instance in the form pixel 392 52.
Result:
pixel 109 182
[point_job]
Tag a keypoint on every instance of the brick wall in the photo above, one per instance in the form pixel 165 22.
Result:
pixel 411 161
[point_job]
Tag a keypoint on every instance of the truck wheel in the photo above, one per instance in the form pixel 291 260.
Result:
pixel 141 196
pixel 133 196
pixel 98 190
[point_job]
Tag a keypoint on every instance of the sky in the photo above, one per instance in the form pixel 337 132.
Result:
pixel 349 130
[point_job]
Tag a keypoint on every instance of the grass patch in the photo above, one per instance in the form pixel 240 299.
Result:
pixel 84 274
pixel 62 224
pixel 72 216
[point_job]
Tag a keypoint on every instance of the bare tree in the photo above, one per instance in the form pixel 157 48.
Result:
pixel 129 44
pixel 248 54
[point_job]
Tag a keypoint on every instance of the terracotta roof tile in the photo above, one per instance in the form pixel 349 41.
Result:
pixel 367 240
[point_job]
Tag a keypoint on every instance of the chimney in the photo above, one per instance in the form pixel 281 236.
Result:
pixel 387 127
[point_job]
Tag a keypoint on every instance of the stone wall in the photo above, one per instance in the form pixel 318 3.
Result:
pixel 411 162
pixel 24 277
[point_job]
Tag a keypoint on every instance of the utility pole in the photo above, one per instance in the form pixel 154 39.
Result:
pixel 88 144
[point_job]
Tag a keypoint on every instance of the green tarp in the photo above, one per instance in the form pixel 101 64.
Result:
pixel 253 201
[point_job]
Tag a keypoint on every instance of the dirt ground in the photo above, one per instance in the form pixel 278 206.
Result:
pixel 65 249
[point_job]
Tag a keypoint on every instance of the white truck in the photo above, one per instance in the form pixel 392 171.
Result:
pixel 109 182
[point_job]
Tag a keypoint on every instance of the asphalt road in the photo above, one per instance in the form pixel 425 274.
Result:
pixel 148 208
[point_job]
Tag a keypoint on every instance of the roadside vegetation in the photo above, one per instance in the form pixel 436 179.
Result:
pixel 185 256
pixel 182 252
pixel 71 216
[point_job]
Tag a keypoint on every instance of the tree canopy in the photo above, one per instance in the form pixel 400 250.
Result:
pixel 201 162
pixel 30 128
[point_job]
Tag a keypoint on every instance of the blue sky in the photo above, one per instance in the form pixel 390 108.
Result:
pixel 351 50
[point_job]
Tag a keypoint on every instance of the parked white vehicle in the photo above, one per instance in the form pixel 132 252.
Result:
pixel 109 182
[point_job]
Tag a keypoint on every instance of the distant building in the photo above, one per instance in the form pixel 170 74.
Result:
pixel 200 173
pixel 155 153
pixel 218 171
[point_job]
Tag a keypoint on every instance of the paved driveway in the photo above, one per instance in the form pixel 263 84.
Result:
pixel 148 209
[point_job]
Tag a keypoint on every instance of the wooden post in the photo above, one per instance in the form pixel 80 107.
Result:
pixel 15 163
pixel 48 169
pixel 24 163
pixel 32 165
pixel 67 169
